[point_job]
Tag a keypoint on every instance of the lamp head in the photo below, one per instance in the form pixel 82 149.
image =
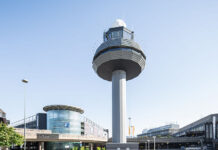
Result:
pixel 25 81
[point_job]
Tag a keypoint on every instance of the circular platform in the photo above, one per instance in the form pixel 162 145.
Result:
pixel 119 54
pixel 62 107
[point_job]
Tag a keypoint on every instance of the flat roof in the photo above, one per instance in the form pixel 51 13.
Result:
pixel 63 107
pixel 203 120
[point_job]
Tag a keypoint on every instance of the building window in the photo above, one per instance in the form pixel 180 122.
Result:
pixel 207 130
pixel 64 121
pixel 116 34
pixel 126 35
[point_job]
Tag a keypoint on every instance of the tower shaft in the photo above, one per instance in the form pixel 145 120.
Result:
pixel 118 106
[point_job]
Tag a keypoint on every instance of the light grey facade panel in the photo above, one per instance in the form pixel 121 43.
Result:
pixel 118 43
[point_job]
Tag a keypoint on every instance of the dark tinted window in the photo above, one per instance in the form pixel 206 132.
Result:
pixel 116 34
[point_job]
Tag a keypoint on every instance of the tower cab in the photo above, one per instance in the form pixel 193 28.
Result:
pixel 118 32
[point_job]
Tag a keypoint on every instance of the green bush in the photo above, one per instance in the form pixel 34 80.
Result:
pixel 75 148
pixel 8 136
pixel 87 148
pixel 98 148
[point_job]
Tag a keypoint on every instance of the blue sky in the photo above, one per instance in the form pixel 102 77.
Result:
pixel 52 44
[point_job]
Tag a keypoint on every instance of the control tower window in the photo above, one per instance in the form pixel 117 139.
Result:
pixel 116 34
pixel 127 35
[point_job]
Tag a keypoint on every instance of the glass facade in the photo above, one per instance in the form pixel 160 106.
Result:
pixel 64 121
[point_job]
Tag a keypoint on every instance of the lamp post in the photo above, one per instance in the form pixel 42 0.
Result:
pixel 148 144
pixel 154 141
pixel 24 133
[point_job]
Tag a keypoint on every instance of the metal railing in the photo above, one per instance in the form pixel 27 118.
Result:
pixel 20 122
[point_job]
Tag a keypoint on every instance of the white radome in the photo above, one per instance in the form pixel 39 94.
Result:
pixel 118 23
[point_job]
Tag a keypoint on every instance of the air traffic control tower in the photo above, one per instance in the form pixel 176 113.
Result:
pixel 118 59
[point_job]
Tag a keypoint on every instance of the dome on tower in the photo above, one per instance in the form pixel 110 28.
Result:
pixel 118 23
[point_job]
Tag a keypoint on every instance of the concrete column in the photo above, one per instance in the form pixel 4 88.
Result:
pixel 91 146
pixel 41 146
pixel 118 106
pixel 214 131
pixel 214 127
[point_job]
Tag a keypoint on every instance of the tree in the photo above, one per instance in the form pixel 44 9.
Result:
pixel 9 137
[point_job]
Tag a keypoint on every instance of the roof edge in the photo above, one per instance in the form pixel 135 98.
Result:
pixel 63 107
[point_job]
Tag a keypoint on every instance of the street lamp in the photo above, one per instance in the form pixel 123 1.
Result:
pixel 148 144
pixel 154 141
pixel 24 81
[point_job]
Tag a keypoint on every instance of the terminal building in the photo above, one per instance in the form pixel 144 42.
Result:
pixel 206 127
pixel 67 128
pixel 3 117
pixel 61 121
pixel 200 134
pixel 167 130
